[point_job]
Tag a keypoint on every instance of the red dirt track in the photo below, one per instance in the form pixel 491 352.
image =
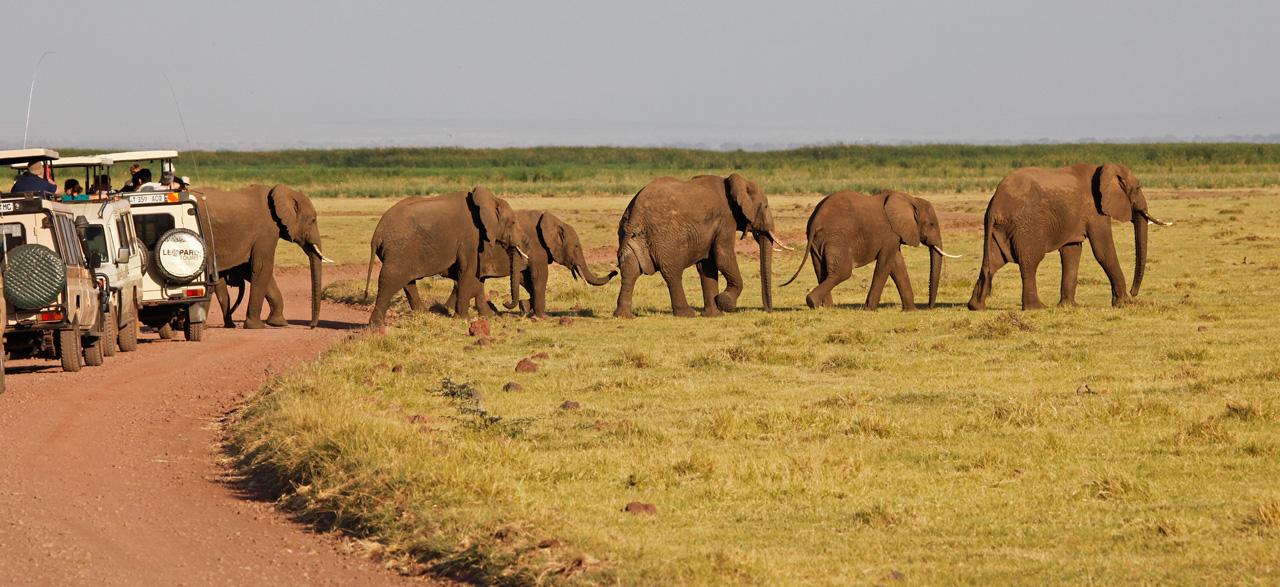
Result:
pixel 112 475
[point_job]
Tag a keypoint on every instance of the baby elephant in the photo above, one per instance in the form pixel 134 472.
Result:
pixel 848 230
pixel 547 240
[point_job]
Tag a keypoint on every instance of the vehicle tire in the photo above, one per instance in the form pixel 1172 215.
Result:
pixel 129 335
pixel 69 348
pixel 109 330
pixel 166 331
pixel 194 331
pixel 93 352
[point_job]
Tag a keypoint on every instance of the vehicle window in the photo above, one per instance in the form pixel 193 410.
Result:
pixel 95 241
pixel 122 233
pixel 151 226
pixel 15 235
pixel 70 241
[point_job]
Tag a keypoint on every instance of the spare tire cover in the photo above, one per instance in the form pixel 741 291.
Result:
pixel 179 255
pixel 34 277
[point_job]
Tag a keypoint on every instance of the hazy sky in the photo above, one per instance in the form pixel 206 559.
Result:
pixel 720 74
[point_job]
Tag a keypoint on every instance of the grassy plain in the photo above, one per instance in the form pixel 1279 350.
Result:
pixel 1065 446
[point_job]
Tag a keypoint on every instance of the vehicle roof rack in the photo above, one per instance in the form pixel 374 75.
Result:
pixel 27 156
pixel 85 161
pixel 131 156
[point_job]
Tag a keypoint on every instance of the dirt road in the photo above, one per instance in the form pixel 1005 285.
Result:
pixel 111 475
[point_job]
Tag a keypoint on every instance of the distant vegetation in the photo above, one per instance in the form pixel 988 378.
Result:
pixel 623 170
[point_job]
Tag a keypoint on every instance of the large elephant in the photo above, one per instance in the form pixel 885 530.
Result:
pixel 672 224
pixel 443 235
pixel 247 225
pixel 848 230
pixel 1035 211
pixel 547 240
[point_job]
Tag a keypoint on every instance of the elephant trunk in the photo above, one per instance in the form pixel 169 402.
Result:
pixel 766 269
pixel 1139 252
pixel 580 266
pixel 935 274
pixel 316 259
pixel 516 271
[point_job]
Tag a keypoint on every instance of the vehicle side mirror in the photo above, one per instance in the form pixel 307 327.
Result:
pixel 122 256
pixel 95 260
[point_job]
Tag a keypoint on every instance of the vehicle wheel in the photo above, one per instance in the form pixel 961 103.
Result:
pixel 166 331
pixel 69 348
pixel 109 329
pixel 93 352
pixel 129 336
pixel 194 331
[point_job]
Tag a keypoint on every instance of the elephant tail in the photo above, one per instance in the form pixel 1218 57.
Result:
pixel 368 274
pixel 239 297
pixel 803 258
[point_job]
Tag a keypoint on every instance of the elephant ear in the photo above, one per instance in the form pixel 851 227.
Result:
pixel 738 190
pixel 552 232
pixel 1111 190
pixel 902 218
pixel 487 205
pixel 287 208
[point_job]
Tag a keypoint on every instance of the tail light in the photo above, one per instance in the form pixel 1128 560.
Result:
pixel 194 292
pixel 51 316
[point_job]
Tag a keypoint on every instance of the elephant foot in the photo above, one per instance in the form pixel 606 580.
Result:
pixel 711 312
pixel 908 307
pixel 976 306
pixel 1033 305
pixel 229 324
pixel 811 301
pixel 1121 302
pixel 624 313
pixel 254 325
pixel 684 312
pixel 278 322
pixel 725 302
pixel 1066 303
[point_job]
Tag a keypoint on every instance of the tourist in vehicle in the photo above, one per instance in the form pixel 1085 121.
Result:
pixel 133 183
pixel 101 185
pixel 143 180
pixel 72 191
pixel 32 180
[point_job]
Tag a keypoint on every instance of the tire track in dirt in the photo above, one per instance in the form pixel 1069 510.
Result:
pixel 112 475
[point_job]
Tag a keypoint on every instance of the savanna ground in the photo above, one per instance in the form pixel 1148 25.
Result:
pixel 1069 445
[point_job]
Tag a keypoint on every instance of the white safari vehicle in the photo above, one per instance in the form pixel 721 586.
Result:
pixel 110 237
pixel 172 226
pixel 53 301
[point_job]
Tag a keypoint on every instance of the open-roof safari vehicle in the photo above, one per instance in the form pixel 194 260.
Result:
pixel 54 303
pixel 173 227
pixel 110 235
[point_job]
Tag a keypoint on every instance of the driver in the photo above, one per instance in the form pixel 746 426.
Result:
pixel 32 180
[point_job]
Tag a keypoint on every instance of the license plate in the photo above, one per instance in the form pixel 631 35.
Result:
pixel 149 199
pixel 6 207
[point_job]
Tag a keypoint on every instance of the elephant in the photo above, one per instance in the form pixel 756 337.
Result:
pixel 1035 211
pixel 672 224
pixel 848 230
pixel 443 235
pixel 547 240
pixel 247 225
pixel 239 278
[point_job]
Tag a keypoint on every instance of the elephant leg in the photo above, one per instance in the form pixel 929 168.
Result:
pixel 883 265
pixel 675 288
pixel 389 282
pixel 1070 254
pixel 898 272
pixel 469 289
pixel 831 272
pixel 535 283
pixel 710 280
pixel 414 296
pixel 259 283
pixel 727 264
pixel 992 261
pixel 224 302
pixel 1028 265
pixel 1104 250
pixel 629 270
pixel 275 302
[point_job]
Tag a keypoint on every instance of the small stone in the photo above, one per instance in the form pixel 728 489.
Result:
pixel 549 543
pixel 526 366
pixel 1084 389
pixel 478 327
pixel 512 386
pixel 570 405
pixel 1202 329
pixel 897 575
pixel 565 321
pixel 542 356
pixel 641 508
pixel 397 369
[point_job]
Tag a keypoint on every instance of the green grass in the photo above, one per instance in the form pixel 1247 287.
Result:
pixel 1066 446
pixel 621 171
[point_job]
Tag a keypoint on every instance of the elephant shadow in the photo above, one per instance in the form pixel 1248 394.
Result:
pixel 329 324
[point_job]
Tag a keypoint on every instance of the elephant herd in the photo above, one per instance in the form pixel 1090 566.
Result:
pixel 671 225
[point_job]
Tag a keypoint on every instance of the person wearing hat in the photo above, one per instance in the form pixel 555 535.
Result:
pixel 32 180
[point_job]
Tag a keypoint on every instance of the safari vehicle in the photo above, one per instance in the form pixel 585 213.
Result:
pixel 173 229
pixel 109 234
pixel 53 300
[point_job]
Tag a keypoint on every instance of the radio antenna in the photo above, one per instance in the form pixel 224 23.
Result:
pixel 31 94
pixel 182 121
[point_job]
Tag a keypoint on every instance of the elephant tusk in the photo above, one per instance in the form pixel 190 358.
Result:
pixel 777 246
pixel 521 253
pixel 323 259
pixel 946 254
